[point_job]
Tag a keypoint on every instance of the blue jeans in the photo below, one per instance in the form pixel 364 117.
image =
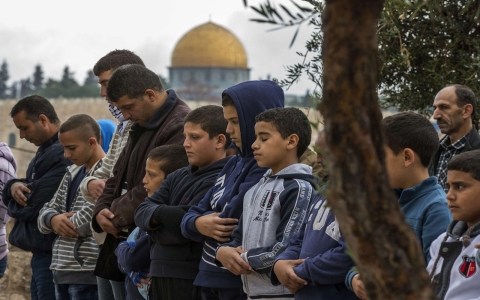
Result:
pixel 3 265
pixel 110 290
pixel 42 286
pixel 76 292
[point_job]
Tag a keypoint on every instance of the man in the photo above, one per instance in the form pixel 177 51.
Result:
pixel 158 117
pixel 38 123
pixel 92 186
pixel 103 69
pixel 455 111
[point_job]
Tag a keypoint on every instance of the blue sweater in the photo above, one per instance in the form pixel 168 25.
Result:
pixel 426 212
pixel 135 259
pixel 238 175
pixel 321 244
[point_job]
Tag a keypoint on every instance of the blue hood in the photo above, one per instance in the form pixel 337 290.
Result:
pixel 107 130
pixel 252 98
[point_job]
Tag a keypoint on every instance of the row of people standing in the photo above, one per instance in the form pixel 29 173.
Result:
pixel 113 192
pixel 156 117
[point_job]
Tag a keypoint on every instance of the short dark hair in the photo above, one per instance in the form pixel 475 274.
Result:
pixel 411 130
pixel 34 106
pixel 288 121
pixel 171 157
pixel 115 59
pixel 465 95
pixel 132 81
pixel 84 125
pixel 227 100
pixel 210 118
pixel 467 162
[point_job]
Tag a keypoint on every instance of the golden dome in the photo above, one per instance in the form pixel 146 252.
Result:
pixel 209 45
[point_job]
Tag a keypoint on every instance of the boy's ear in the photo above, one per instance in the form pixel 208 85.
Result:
pixel 292 141
pixel 220 141
pixel 92 141
pixel 408 157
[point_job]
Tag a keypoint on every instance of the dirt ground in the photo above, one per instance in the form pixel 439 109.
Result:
pixel 15 284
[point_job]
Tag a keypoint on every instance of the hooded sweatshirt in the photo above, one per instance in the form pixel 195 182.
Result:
pixel 239 174
pixel 273 211
pixel 326 261
pixel 456 275
pixel 7 172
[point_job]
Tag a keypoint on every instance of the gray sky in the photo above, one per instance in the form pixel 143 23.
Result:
pixel 59 33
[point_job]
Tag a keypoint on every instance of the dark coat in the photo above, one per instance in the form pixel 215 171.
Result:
pixel 473 143
pixel 44 174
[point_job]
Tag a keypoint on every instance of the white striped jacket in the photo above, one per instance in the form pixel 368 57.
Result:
pixel 71 254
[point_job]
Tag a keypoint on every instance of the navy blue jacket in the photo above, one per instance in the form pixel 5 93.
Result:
pixel 173 255
pixel 134 259
pixel 44 174
pixel 239 174
pixel 326 264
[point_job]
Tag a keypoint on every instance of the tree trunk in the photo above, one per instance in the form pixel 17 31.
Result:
pixel 383 246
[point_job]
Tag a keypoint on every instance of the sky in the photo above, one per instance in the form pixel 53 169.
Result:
pixel 58 33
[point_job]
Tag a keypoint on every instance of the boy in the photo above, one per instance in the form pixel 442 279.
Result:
pixel 315 262
pixel 273 209
pixel 174 258
pixel 410 142
pixel 213 219
pixel 134 254
pixel 92 187
pixel 69 215
pixel 453 269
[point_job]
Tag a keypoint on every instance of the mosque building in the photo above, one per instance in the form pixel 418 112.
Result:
pixel 207 60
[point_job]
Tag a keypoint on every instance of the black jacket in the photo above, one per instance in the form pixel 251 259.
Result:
pixel 44 174
pixel 173 255
pixel 473 142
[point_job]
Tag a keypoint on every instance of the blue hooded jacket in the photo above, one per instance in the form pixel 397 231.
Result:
pixel 326 263
pixel 239 174
pixel 107 130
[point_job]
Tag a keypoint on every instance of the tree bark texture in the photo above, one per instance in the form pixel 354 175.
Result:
pixel 383 246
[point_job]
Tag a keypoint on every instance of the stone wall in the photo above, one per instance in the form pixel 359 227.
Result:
pixel 65 108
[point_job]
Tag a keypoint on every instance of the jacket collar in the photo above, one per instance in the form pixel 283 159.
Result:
pixel 161 113
pixel 414 192
pixel 51 141
pixel 457 229
pixel 473 139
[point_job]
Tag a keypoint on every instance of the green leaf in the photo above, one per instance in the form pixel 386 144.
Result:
pixel 294 37
pixel 287 11
pixel 304 9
